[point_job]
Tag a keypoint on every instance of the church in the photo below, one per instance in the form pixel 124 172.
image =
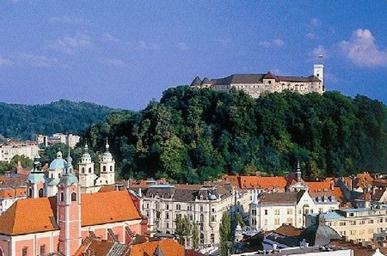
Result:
pixel 61 211
pixel 45 184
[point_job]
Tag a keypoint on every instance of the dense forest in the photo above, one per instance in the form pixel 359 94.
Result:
pixel 25 121
pixel 193 135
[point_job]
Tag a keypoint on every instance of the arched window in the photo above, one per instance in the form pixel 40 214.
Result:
pixel 61 196
pixel 201 238
pixel 212 238
pixel 73 196
pixel 201 217
pixel 89 169
pixel 104 168
pixel 111 168
pixel 30 192
pixel 41 192
pixel 83 169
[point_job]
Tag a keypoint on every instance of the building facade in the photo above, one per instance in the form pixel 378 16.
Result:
pixel 22 148
pixel 257 84
pixel 268 211
pixel 203 205
pixel 357 224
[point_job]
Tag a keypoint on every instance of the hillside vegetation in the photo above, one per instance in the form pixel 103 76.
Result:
pixel 193 135
pixel 25 121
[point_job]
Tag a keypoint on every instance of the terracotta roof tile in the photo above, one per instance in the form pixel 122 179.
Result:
pixel 168 247
pixel 318 186
pixel 97 208
pixel 263 182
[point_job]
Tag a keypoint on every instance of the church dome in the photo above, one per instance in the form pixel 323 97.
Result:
pixel 58 163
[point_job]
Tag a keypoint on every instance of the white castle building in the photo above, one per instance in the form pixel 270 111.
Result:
pixel 45 184
pixel 256 84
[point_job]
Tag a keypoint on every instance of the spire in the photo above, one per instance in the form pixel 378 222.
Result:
pixel 59 154
pixel 107 145
pixel 86 148
pixel 298 173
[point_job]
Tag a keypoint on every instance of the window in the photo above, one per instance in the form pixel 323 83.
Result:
pixel 167 215
pixel 201 238
pixel 111 168
pixel 253 212
pixel 178 207
pixel 253 222
pixel 289 221
pixel 381 220
pixel 73 196
pixel 42 249
pixel 167 225
pixel 89 169
pixel 370 221
pixel 104 168
pixel 266 211
pixel 342 223
pixel 290 211
pixel 61 196
pixel 212 238
pixel 213 210
pixel 83 169
pixel 277 221
pixel 41 192
pixel 201 217
pixel 213 218
pixel 201 208
pixel 352 222
pixel 24 251
pixel 277 211
pixel 30 192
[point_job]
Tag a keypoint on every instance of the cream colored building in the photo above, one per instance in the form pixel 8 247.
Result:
pixel 357 224
pixel 202 204
pixel 268 211
pixel 257 84
pixel 69 139
pixel 22 148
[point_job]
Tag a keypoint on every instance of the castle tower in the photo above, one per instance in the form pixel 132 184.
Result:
pixel 318 71
pixel 86 172
pixel 35 180
pixel 69 211
pixel 107 170
pixel 55 171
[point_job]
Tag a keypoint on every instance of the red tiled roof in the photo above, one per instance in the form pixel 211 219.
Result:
pixel 168 247
pixel 97 208
pixel 318 186
pixel 263 182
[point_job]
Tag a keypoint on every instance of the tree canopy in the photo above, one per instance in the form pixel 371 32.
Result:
pixel 25 121
pixel 193 135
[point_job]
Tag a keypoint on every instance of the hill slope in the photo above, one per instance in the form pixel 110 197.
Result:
pixel 194 135
pixel 24 121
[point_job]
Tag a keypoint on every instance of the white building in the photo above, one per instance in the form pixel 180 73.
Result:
pixel 22 148
pixel 257 84
pixel 269 211
pixel 202 204
pixel 69 139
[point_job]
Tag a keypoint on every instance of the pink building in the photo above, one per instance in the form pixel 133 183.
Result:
pixel 39 226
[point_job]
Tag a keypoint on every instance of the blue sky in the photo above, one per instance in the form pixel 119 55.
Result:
pixel 125 53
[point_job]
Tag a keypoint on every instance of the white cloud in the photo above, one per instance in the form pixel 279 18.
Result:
pixel 114 62
pixel 314 23
pixel 110 38
pixel 142 45
pixel 362 50
pixel 182 46
pixel 318 52
pixel 71 44
pixel 5 62
pixel 67 20
pixel 37 61
pixel 272 43
pixel 311 36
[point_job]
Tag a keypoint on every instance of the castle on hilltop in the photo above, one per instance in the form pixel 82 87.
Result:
pixel 256 84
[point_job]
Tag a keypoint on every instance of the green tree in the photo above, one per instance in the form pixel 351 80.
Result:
pixel 225 232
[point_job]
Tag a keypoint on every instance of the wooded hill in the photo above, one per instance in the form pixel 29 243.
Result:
pixel 193 135
pixel 25 121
